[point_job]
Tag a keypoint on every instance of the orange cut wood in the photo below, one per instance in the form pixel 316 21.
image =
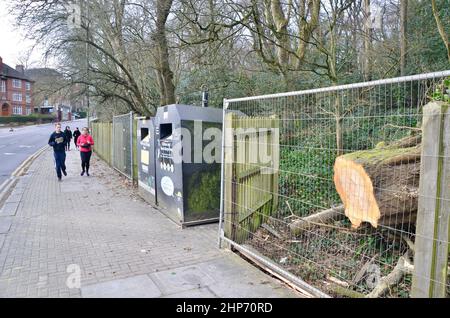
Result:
pixel 379 186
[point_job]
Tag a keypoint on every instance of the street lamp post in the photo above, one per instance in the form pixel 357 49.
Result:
pixel 87 63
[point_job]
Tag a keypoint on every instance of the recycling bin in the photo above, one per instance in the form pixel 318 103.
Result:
pixel 188 155
pixel 146 160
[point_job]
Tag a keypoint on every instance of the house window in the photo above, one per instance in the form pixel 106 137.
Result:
pixel 28 85
pixel 17 97
pixel 17 83
pixel 3 87
pixel 28 111
pixel 28 99
pixel 17 110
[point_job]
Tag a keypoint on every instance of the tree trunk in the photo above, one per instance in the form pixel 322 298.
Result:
pixel 165 74
pixel 441 28
pixel 403 33
pixel 367 41
pixel 281 27
pixel 380 186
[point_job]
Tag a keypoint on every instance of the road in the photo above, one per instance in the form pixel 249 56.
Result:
pixel 18 145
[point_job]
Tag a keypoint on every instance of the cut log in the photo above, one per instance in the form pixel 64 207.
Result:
pixel 322 217
pixel 380 186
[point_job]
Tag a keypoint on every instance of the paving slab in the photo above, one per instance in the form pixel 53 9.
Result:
pixel 13 198
pixel 5 224
pixel 9 209
pixel 193 293
pixel 134 287
pixel 2 239
pixel 181 279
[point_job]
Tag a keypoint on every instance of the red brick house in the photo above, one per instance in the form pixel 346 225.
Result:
pixel 15 91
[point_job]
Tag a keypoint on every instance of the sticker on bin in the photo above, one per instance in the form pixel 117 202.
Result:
pixel 167 186
pixel 145 157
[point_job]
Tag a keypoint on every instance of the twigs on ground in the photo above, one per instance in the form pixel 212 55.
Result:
pixel 402 268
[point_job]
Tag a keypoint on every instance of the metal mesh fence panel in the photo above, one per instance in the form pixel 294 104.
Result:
pixel 122 154
pixel 356 144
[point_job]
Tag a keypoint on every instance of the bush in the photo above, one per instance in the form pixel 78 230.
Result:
pixel 82 114
pixel 306 179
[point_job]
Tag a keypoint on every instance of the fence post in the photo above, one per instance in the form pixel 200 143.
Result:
pixel 432 230
pixel 228 198
pixel 134 162
pixel 131 147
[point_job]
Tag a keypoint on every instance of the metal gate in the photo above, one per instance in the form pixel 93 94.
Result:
pixel 122 146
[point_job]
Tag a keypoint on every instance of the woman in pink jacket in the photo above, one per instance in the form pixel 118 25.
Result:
pixel 85 143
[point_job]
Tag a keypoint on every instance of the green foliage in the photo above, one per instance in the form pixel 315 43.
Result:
pixel 306 177
pixel 83 114
pixel 426 52
pixel 365 132
pixel 442 92
pixel 26 119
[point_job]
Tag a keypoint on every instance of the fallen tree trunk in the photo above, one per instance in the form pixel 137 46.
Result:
pixel 380 185
pixel 322 217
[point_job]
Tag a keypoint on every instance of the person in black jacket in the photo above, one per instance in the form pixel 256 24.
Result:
pixel 76 134
pixel 68 133
pixel 58 141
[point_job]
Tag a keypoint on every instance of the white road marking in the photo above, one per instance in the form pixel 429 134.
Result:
pixel 9 153
pixel 25 146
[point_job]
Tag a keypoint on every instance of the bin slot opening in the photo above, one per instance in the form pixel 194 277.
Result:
pixel 165 130
pixel 144 133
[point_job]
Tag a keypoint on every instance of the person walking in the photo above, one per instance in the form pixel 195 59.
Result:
pixel 58 141
pixel 85 143
pixel 68 133
pixel 76 134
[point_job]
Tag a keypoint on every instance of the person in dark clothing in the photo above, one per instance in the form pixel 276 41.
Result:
pixel 68 133
pixel 85 142
pixel 76 134
pixel 58 141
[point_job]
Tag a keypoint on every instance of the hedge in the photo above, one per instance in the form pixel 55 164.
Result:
pixel 26 119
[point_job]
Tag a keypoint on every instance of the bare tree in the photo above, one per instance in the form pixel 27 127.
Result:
pixel 441 28
pixel 403 35
pixel 367 41
pixel 163 70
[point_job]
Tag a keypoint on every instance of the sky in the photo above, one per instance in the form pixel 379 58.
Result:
pixel 13 44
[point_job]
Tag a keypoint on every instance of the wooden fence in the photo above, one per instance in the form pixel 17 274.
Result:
pixel 250 182
pixel 102 134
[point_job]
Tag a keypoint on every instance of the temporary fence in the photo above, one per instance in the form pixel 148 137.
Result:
pixel 122 147
pixel 115 143
pixel 361 185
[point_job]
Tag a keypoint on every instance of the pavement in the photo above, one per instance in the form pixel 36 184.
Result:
pixel 94 237
pixel 18 145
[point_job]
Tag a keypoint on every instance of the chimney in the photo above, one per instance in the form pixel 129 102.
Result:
pixel 1 64
pixel 19 68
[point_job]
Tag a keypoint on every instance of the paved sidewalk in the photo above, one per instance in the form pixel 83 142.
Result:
pixel 122 247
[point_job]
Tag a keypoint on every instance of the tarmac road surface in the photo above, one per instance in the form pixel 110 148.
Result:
pixel 18 145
